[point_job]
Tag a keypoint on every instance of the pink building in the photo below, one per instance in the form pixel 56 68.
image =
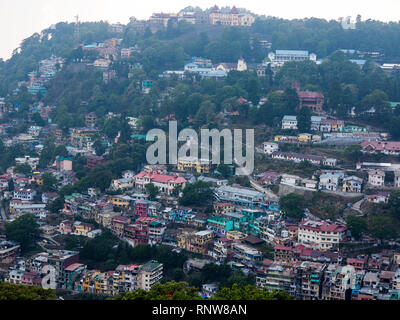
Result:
pixel 166 183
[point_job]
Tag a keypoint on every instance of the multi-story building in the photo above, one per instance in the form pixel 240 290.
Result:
pixel 323 234
pixel 270 147
pixel 280 57
pixel 376 178
pixel 240 195
pixel 94 161
pixel 233 18
pixel 32 162
pixel 192 163
pixel 397 179
pixel 246 255
pixel 90 120
pixel 149 274
pixel 289 122
pixel 118 225
pixel 24 194
pixel 352 184
pixel 166 183
pixel 8 249
pixel 385 147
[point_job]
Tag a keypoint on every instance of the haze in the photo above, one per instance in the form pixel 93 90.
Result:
pixel 19 19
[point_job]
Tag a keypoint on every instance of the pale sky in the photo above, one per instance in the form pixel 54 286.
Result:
pixel 19 19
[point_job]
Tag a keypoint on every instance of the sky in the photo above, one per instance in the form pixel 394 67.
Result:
pixel 19 19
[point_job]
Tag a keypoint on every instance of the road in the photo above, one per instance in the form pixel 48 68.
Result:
pixel 357 205
pixel 257 186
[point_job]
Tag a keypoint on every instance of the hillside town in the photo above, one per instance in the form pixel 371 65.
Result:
pixel 83 212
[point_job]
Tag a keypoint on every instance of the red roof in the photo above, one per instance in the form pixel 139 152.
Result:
pixel 381 145
pixel 321 226
pixel 310 94
pixel 161 178
pixel 73 266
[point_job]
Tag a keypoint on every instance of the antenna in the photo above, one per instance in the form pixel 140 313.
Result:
pixel 77 35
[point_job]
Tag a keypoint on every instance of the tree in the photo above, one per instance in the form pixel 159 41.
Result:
pixel 24 230
pixel 167 291
pixel 249 292
pixel 152 190
pixel 197 194
pixel 49 181
pixel 292 205
pixel 10 291
pixel 353 153
pixel 394 204
pixel 304 119
pixel 56 205
pixel 356 225
pixel 382 227
pixel 23 168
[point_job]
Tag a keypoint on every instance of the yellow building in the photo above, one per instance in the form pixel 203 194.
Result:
pixel 90 282
pixel 120 201
pixel 82 228
pixel 192 163
pixel 304 137
pixel 235 235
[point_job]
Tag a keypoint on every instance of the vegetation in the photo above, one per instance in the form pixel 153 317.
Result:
pixel 10 291
pixel 292 205
pixel 24 230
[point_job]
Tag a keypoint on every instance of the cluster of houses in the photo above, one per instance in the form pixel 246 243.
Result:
pixel 61 270
pixel 307 274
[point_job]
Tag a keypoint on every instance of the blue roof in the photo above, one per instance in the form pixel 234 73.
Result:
pixel 291 52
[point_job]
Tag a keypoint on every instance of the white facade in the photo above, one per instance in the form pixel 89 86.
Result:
pixel 376 178
pixel 322 234
pixel 289 122
pixel 270 147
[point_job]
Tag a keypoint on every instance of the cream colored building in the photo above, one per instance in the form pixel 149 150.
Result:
pixel 320 234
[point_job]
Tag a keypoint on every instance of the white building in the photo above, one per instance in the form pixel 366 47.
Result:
pixel 270 147
pixel 32 162
pixel 376 178
pixel 321 234
pixel 289 122
pixel 397 179
pixel 330 181
pixel 279 57
pixel 24 194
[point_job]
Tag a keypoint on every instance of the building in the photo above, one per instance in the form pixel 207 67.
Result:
pixel 239 195
pixel 270 147
pixel 166 183
pixel 64 164
pixel 352 184
pixel 397 179
pixel 385 147
pixel 323 234
pixel 312 100
pixel 149 274
pixel 233 18
pixel 298 157
pixel 289 122
pixel 32 162
pixel 93 161
pixel 193 163
pixel 90 120
pixel 8 249
pixel 280 57
pixel 330 181
pixel 376 178
pixel 24 194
